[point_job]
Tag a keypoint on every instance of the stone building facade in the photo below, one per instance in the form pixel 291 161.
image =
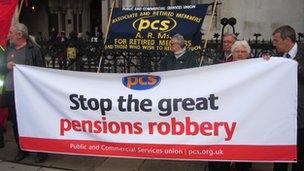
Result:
pixel 258 16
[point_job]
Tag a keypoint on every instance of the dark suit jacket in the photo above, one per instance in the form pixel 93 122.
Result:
pixel 300 59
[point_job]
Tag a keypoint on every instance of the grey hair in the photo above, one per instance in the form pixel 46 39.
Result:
pixel 180 39
pixel 230 34
pixel 22 29
pixel 286 31
pixel 241 43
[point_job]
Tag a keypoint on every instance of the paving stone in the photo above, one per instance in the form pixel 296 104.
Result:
pixel 9 166
pixel 9 151
pixel 52 169
pixel 120 164
pixel 170 165
pixel 81 163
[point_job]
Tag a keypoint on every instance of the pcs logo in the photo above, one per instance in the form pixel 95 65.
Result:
pixel 153 23
pixel 141 82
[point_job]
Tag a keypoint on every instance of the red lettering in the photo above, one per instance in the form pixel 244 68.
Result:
pixel 206 128
pixel 178 127
pixel 76 125
pixel 65 125
pixel 99 126
pixel 151 126
pixel 163 128
pixel 191 127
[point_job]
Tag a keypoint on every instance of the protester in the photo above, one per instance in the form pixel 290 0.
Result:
pixel 53 35
pixel 1 115
pixel 22 50
pixel 226 55
pixel 239 50
pixel 180 58
pixel 61 39
pixel 284 40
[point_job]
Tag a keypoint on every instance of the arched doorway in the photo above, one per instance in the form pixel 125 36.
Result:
pixel 35 17
pixel 95 18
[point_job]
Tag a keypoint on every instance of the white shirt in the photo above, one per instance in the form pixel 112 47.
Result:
pixel 180 53
pixel 293 51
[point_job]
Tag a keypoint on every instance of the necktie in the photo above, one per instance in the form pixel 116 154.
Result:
pixel 229 59
pixel 288 56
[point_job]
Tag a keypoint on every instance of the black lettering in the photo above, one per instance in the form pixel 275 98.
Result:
pixel 188 104
pixel 74 101
pixel 166 109
pixel 175 103
pixel 201 103
pixel 144 104
pixel 105 105
pixel 120 101
pixel 132 101
pixel 93 104
pixel 82 100
pixel 212 98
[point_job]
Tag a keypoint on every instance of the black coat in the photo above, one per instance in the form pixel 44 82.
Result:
pixel 33 57
pixel 300 59
pixel 187 60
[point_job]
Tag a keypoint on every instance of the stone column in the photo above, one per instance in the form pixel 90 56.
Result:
pixel 59 21
pixel 128 3
pixel 139 3
pixel 69 21
pixel 152 3
pixel 172 2
pixel 85 16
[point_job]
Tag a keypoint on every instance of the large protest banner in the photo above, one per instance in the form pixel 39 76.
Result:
pixel 244 110
pixel 150 28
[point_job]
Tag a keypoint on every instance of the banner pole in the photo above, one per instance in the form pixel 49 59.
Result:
pixel 19 10
pixel 106 35
pixel 208 31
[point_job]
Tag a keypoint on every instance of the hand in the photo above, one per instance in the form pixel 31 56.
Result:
pixel 266 56
pixel 10 65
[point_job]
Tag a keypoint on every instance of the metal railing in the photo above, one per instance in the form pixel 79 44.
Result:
pixel 88 55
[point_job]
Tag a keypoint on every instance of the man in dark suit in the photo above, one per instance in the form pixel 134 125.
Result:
pixel 284 40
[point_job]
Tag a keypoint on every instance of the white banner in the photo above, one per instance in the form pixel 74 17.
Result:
pixel 238 111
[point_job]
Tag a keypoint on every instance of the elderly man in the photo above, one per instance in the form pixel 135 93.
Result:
pixel 21 51
pixel 180 57
pixel 226 55
pixel 284 40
